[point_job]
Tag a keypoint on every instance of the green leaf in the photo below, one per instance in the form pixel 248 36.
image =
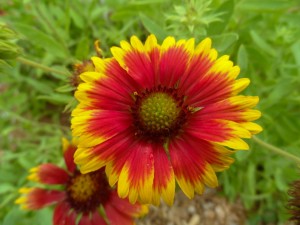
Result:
pixel 44 216
pixel 223 42
pixel 6 187
pixel 265 5
pixel 262 44
pixel 242 58
pixel 279 92
pixel 8 50
pixel 146 2
pixel 153 27
pixel 242 155
pixel 296 53
pixel 38 85
pixel 13 217
pixel 83 49
pixel 77 18
pixel 251 179
pixel 65 88
pixel 56 98
pixel 279 180
pixel 226 9
pixel 39 38
pixel 3 64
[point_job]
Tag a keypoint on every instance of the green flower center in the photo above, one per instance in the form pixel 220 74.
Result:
pixel 158 114
pixel 159 111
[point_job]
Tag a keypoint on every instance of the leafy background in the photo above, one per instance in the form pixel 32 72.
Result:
pixel 261 36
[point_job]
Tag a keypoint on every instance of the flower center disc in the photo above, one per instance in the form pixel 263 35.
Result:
pixel 159 112
pixel 85 192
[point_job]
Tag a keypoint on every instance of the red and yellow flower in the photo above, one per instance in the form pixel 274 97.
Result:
pixel 81 197
pixel 158 114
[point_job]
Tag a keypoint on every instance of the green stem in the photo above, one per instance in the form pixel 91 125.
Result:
pixel 40 66
pixel 277 150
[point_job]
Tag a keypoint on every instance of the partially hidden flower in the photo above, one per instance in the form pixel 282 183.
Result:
pixel 156 115
pixel 80 68
pixel 85 198
pixel 294 201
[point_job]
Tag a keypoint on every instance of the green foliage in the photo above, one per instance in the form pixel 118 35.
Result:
pixel 8 49
pixel 262 37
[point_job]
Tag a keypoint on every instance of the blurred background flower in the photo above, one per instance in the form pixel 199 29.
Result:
pixel 84 199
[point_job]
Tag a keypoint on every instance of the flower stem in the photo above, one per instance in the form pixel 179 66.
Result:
pixel 40 66
pixel 277 150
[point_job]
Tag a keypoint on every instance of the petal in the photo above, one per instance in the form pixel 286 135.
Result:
pixel 209 80
pixel 164 180
pixel 95 126
pixel 85 220
pixel 97 219
pixel 69 151
pixel 172 65
pixel 125 207
pixel 60 213
pixel 224 132
pixel 190 167
pixel 37 198
pixel 203 48
pixel 151 43
pixel 94 158
pixel 136 177
pixel 120 211
pixel 48 174
pixel 236 108
pixel 135 61
pixel 71 218
pixel 115 217
pixel 252 127
pixel 168 43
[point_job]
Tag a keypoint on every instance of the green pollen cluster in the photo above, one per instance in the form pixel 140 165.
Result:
pixel 159 111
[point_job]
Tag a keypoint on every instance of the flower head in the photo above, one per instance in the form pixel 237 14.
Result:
pixel 80 194
pixel 78 69
pixel 158 114
pixel 294 202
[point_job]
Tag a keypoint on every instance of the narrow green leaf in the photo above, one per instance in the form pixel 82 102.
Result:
pixel 77 18
pixel 262 44
pixel 40 39
pixel 153 27
pixel 6 187
pixel 296 53
pixel 83 48
pixel 38 85
pixel 56 98
pixel 13 217
pixel 224 41
pixel 242 58
pixel 251 179
pixel 265 5
pixel 65 88
pixel 279 180
pixel 226 9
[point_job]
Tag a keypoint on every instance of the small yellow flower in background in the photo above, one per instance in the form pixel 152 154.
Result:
pixel 81 196
pixel 156 114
